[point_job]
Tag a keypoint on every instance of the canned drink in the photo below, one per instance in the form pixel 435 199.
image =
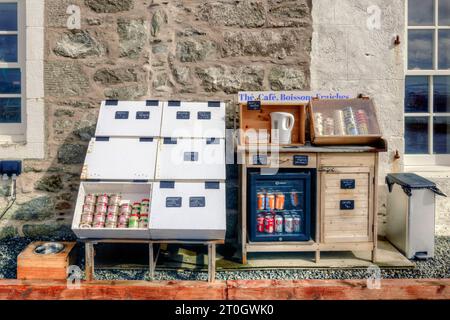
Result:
pixel 114 200
pixel 260 223
pixel 133 222
pixel 125 209
pixel 261 204
pixel 270 201
pixel 278 224
pixel 143 221
pixel 101 208
pixel 87 219
pixel 111 217
pixel 145 210
pixel 90 199
pixel 99 218
pixel 88 208
pixel 123 221
pixel 297 222
pixel 111 225
pixel 113 210
pixel 145 202
pixel 279 202
pixel 103 198
pixel 288 224
pixel 98 225
pixel 269 223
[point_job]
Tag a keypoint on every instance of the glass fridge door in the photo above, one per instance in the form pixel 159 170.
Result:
pixel 280 207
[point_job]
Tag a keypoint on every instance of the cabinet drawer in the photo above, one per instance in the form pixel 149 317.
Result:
pixel 284 160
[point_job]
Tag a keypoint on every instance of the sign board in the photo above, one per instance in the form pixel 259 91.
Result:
pixel 290 96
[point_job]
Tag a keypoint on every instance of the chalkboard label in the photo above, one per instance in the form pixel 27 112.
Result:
pixel 300 160
pixel 142 115
pixel 210 185
pixel 122 115
pixel 203 115
pixel 191 156
pixel 348 184
pixel 254 105
pixel 111 102
pixel 212 141
pixel 213 104
pixel 347 204
pixel 174 103
pixel 197 202
pixel 183 115
pixel 151 103
pixel 173 202
pixel 260 160
pixel 167 185
pixel 170 141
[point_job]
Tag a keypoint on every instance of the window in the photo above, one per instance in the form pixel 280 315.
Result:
pixel 427 83
pixel 11 62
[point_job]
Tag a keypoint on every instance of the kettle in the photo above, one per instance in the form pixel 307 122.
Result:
pixel 282 125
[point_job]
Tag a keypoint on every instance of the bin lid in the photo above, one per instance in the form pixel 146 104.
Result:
pixel 409 181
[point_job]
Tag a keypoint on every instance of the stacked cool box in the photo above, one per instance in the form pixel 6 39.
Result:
pixel 171 153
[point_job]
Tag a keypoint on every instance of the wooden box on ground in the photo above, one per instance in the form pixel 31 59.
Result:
pixel 343 122
pixel 253 120
pixel 34 266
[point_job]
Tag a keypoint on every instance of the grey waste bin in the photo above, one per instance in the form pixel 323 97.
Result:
pixel 411 214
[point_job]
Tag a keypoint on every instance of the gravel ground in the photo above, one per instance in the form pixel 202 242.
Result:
pixel 439 267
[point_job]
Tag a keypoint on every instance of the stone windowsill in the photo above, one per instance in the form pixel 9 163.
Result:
pixel 430 172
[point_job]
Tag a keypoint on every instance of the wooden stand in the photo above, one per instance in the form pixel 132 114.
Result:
pixel 153 254
pixel 33 266
pixel 336 229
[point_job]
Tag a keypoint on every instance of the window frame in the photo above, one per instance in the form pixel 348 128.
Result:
pixel 16 131
pixel 430 158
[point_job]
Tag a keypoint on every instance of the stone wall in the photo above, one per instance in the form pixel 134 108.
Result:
pixel 137 49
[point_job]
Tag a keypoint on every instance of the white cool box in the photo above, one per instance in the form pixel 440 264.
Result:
pixel 170 152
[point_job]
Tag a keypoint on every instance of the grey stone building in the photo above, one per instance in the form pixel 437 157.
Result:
pixel 60 58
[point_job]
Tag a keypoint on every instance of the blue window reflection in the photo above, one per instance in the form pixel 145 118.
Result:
pixel 441 129
pixel 444 12
pixel 10 110
pixel 10 81
pixel 8 48
pixel 416 135
pixel 8 16
pixel 442 94
pixel 421 12
pixel 420 49
pixel 444 49
pixel 416 94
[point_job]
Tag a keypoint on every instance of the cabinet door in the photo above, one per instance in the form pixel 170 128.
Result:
pixel 346 204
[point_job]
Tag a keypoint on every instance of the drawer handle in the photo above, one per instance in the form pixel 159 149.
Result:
pixel 328 170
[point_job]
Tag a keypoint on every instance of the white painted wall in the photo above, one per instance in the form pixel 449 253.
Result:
pixel 348 55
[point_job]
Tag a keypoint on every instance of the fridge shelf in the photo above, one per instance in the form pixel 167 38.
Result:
pixel 282 237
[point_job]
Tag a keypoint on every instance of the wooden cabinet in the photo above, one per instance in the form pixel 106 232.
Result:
pixel 346 204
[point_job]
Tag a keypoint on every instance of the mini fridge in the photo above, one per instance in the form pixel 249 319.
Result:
pixel 281 205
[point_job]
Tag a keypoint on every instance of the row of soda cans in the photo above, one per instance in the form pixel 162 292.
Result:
pixel 275 201
pixel 277 223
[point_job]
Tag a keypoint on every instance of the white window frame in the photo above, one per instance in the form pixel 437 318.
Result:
pixel 26 140
pixel 429 159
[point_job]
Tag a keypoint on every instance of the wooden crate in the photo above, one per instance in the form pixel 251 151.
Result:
pixel 327 107
pixel 260 120
pixel 33 266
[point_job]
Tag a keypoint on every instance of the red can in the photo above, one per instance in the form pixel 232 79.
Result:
pixel 101 208
pixel 103 198
pixel 279 223
pixel 260 223
pixel 269 223
pixel 90 198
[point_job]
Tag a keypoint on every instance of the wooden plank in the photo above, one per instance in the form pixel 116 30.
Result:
pixel 358 246
pixel 281 247
pixel 403 289
pixel 338 290
pixel 89 261
pixel 346 160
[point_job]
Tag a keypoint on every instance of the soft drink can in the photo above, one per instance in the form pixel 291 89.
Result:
pixel 279 203
pixel 288 224
pixel 261 203
pixel 113 210
pixel 123 221
pixel 145 210
pixel 125 209
pixel 268 223
pixel 133 222
pixel 101 208
pixel 87 218
pixel 270 201
pixel 260 223
pixel 278 224
pixel 297 222
pixel 99 218
pixel 88 209
pixel 90 198
pixel 103 198
pixel 114 200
